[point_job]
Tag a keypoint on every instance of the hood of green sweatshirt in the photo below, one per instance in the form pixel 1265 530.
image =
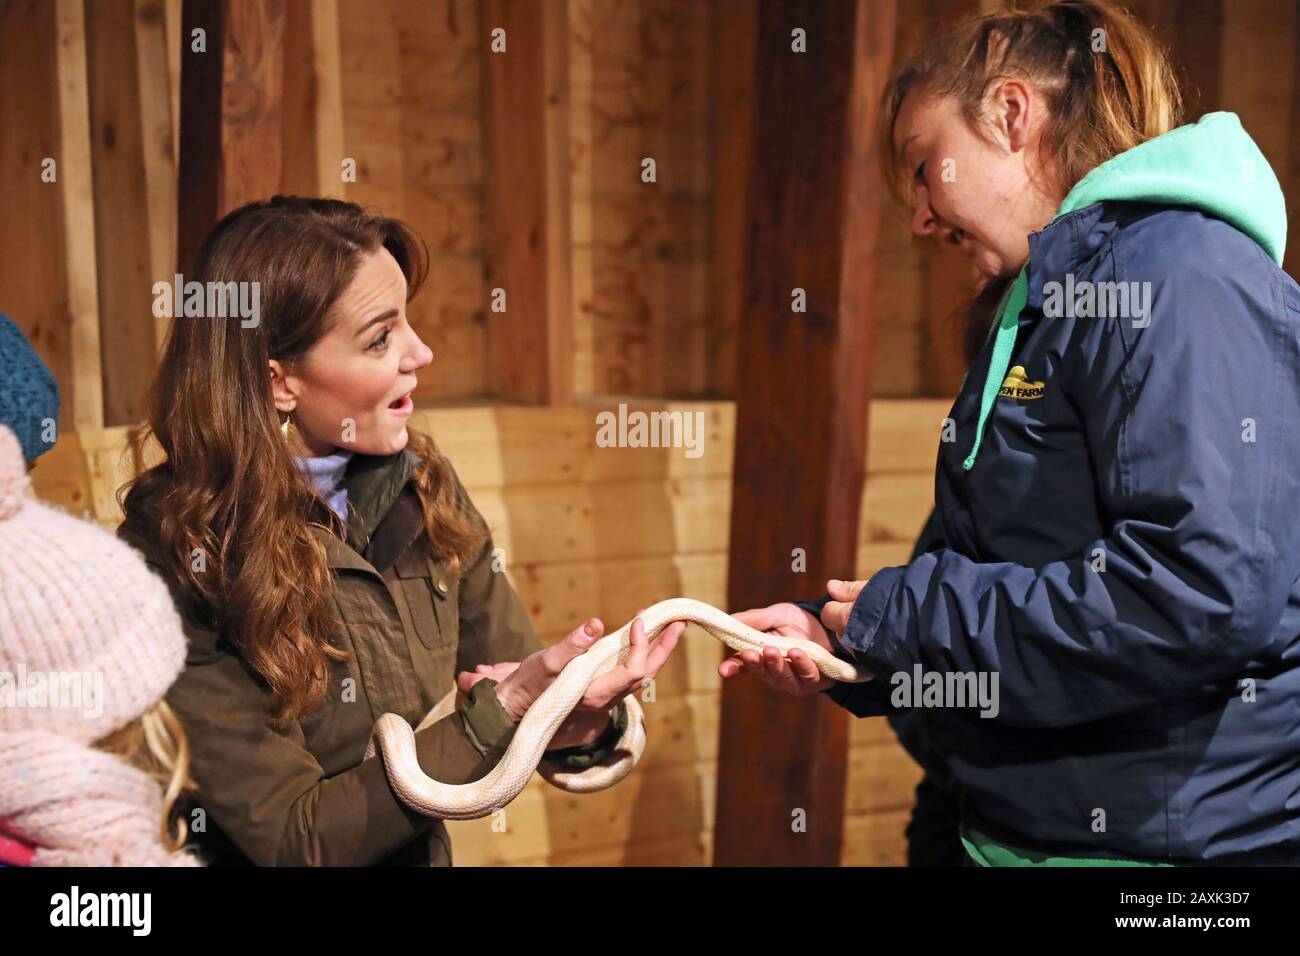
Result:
pixel 1212 165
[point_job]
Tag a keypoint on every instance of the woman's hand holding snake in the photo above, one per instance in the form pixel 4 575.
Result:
pixel 795 673
pixel 520 683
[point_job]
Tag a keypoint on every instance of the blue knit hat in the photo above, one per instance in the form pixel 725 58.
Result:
pixel 29 395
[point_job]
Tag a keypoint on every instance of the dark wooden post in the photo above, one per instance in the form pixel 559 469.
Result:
pixel 803 388
pixel 231 96
pixel 950 278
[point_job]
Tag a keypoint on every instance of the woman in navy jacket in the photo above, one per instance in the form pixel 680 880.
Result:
pixel 1118 481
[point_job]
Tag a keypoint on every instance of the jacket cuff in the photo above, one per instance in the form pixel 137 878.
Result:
pixel 582 756
pixel 487 725
pixel 862 633
pixel 871 698
pixel 814 607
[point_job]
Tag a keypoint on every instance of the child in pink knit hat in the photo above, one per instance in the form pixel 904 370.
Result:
pixel 91 758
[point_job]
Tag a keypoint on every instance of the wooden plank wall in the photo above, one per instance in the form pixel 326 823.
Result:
pixel 641 251
pixel 411 82
pixel 649 78
pixel 527 211
pixel 639 87
pixel 654 265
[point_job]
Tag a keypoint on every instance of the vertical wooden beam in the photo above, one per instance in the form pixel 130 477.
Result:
pixel 313 100
pixel 1259 42
pixel 802 397
pixel 733 84
pixel 154 52
pixel 47 231
pixel 949 287
pixel 559 238
pixel 526 192
pixel 175 41
pixel 1192 32
pixel 582 190
pixel 374 104
pixel 950 278
pixel 231 113
pixel 1197 26
pixel 82 387
pixel 135 192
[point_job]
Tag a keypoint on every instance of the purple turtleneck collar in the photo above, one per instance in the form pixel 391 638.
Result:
pixel 326 474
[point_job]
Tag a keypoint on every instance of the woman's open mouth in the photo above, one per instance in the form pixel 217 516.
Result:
pixel 402 406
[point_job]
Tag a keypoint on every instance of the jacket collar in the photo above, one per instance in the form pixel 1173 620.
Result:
pixel 373 483
pixel 1063 246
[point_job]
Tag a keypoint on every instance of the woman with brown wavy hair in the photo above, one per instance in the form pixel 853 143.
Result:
pixel 328 564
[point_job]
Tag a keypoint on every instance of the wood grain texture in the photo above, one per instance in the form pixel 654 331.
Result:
pixel 641 92
pixel 252 101
pixel 313 100
pixel 412 124
pixel 526 212
pixel 733 131
pixel 47 272
pixel 86 378
pixel 69 275
pixel 1263 33
pixel 118 73
pixel 231 113
pixel 813 209
pixel 157 79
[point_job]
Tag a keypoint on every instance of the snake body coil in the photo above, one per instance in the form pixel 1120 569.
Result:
pixel 395 740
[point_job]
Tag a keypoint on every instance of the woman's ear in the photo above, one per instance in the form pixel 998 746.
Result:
pixel 284 388
pixel 1013 105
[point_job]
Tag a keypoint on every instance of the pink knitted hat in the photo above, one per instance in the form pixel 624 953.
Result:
pixel 89 637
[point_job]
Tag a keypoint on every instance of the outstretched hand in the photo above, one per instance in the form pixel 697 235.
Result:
pixel 796 674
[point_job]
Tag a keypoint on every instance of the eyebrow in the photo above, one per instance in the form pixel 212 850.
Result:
pixel 382 317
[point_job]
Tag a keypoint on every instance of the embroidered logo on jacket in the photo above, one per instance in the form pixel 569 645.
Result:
pixel 1015 386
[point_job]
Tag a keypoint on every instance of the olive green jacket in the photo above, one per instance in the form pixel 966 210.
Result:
pixel 302 794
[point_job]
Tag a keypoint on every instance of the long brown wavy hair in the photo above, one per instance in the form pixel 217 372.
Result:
pixel 1100 103
pixel 226 510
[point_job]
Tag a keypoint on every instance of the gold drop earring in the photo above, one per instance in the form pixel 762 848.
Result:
pixel 286 428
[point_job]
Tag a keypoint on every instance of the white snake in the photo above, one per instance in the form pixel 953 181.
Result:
pixel 395 740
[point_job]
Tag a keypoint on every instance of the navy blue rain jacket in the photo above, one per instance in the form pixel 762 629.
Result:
pixel 1124 554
